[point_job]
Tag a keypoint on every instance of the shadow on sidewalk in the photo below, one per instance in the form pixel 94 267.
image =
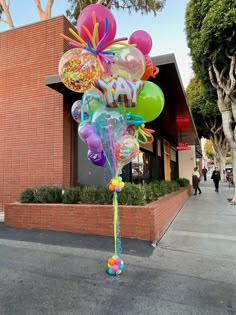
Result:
pixel 75 240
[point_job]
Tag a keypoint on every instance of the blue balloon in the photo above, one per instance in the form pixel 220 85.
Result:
pixel 109 123
pixel 111 272
pixel 91 100
pixel 121 266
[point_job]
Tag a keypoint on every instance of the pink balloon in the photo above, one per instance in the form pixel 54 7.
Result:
pixel 115 268
pixel 142 40
pixel 85 18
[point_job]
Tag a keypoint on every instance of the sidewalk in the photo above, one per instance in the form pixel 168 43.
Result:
pixel 202 238
pixel 190 272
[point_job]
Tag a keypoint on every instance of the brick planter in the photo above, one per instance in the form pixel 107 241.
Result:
pixel 140 222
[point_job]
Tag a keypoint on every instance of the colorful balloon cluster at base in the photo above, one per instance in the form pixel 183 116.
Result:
pixel 115 266
pixel 117 99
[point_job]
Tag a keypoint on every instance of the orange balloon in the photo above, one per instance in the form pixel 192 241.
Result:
pixel 111 261
pixel 111 187
pixel 151 70
pixel 148 72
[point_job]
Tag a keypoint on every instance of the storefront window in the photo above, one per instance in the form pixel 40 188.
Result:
pixel 141 168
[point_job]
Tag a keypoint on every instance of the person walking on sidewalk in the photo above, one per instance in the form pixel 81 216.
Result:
pixel 204 173
pixel 196 181
pixel 216 178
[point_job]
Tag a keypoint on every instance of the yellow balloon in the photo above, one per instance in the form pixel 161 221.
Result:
pixel 114 182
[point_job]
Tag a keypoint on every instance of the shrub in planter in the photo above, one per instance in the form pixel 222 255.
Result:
pixel 183 182
pixel 71 195
pixel 149 193
pixel 105 195
pixel 90 195
pixel 27 196
pixel 132 194
pixel 166 187
pixel 48 194
pixel 174 185
pixel 153 191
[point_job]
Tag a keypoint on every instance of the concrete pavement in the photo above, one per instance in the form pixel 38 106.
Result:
pixel 190 272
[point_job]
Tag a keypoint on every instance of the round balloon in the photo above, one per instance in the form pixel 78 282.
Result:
pixel 76 112
pixel 142 40
pixel 109 123
pixel 98 159
pixel 94 143
pixel 129 63
pixel 85 130
pixel 91 100
pixel 101 14
pixel 126 148
pixel 150 102
pixel 78 69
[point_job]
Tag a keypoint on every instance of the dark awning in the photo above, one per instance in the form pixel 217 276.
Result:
pixel 176 120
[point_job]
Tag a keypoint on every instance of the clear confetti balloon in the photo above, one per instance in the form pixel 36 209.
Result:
pixel 129 63
pixel 78 69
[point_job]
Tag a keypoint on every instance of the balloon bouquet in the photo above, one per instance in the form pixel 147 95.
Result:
pixel 117 100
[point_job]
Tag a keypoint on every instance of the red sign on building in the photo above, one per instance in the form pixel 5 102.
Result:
pixel 183 146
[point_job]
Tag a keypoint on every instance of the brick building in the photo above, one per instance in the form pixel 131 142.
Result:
pixel 35 132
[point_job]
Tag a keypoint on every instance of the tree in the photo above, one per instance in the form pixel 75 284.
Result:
pixel 131 5
pixel 43 14
pixel 207 119
pixel 208 148
pixel 4 7
pixel 211 37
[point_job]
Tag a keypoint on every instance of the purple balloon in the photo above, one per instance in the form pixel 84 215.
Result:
pixel 98 159
pixel 85 131
pixel 94 143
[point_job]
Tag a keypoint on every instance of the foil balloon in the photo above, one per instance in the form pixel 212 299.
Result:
pixel 98 159
pixel 78 69
pixel 119 91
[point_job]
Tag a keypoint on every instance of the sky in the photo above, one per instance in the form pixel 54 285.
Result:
pixel 166 28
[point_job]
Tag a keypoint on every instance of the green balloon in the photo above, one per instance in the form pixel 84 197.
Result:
pixel 150 102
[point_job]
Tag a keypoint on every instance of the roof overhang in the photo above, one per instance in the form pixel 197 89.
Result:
pixel 175 121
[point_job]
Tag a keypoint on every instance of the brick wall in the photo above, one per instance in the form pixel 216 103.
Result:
pixel 140 222
pixel 35 128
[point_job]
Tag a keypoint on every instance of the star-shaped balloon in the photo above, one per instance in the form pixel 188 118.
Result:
pixel 119 91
